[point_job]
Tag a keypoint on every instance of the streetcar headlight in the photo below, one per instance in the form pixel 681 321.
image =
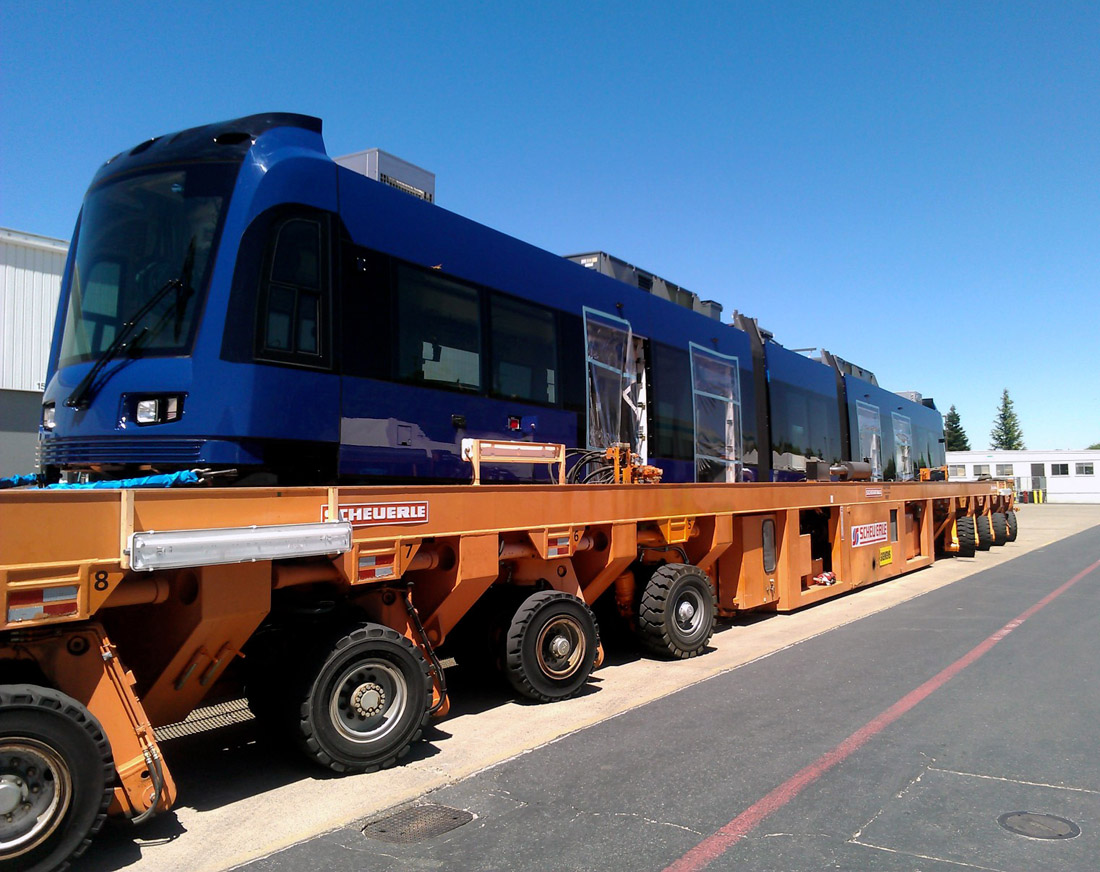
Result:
pixel 158 410
pixel 49 416
pixel 147 411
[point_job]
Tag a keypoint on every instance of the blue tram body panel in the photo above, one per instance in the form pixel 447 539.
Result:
pixel 894 434
pixel 189 335
pixel 230 409
pixel 803 413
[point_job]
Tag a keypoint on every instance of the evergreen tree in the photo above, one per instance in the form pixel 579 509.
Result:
pixel 1006 434
pixel 953 433
pixel 1095 447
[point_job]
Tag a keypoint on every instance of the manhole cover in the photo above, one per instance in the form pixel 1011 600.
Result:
pixel 416 823
pixel 1038 826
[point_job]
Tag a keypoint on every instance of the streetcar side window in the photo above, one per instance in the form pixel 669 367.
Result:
pixel 294 306
pixel 524 351
pixel 672 425
pixel 439 330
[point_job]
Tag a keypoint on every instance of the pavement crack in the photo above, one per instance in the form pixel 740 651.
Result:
pixel 1015 781
pixel 926 857
pixel 898 795
pixel 658 823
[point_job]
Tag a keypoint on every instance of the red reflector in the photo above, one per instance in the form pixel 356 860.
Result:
pixel 20 598
pixel 58 610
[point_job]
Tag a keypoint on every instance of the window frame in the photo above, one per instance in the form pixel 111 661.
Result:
pixel 491 299
pixel 1059 469
pixel 1084 467
pixel 697 355
pixel 323 359
pixel 480 294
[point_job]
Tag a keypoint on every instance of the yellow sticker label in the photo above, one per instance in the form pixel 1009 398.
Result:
pixel 885 556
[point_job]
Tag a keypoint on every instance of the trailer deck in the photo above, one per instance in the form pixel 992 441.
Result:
pixel 339 597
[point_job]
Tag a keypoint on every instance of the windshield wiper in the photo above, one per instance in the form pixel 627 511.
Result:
pixel 178 309
pixel 91 384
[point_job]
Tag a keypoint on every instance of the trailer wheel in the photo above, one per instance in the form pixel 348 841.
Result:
pixel 677 611
pixel 968 536
pixel 1012 525
pixel 56 775
pixel 367 699
pixel 985 532
pixel 1000 528
pixel 550 648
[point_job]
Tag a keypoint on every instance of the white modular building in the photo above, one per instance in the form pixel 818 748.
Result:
pixel 1057 476
pixel 30 284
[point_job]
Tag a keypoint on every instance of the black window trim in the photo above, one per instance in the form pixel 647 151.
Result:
pixel 324 361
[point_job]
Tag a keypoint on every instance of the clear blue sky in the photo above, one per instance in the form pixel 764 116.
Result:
pixel 914 186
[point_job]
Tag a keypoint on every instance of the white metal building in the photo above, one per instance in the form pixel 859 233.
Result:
pixel 391 170
pixel 1060 476
pixel 30 283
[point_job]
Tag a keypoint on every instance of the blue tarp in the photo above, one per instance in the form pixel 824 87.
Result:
pixel 171 480
pixel 17 481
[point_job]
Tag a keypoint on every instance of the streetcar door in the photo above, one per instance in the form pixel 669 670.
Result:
pixel 870 437
pixel 616 388
pixel 903 446
pixel 716 399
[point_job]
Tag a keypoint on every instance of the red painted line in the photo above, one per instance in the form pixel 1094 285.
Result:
pixel 721 841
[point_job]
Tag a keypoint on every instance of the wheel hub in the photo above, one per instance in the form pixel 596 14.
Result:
pixel 11 793
pixel 368 700
pixel 685 612
pixel 560 646
pixel 35 793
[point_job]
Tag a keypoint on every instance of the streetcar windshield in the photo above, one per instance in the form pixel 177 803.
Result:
pixel 137 237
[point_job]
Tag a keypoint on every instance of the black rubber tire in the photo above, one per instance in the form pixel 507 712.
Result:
pixel 985 532
pixel 543 620
pixel 661 627
pixel 364 698
pixel 1012 525
pixel 968 536
pixel 1000 528
pixel 44 726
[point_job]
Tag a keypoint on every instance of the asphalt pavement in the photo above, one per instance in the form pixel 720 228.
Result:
pixel 654 758
pixel 1012 726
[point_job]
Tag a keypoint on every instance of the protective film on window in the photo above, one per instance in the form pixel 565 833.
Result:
pixel 903 446
pixel 870 437
pixel 607 352
pixel 716 396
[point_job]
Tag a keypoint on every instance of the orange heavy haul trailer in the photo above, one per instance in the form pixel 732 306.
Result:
pixel 122 609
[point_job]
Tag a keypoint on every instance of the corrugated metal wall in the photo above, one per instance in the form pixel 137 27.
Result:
pixel 30 283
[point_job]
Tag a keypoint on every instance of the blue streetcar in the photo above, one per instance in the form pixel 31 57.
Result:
pixel 234 299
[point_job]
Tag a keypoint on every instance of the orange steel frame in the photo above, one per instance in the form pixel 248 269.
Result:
pixel 179 629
